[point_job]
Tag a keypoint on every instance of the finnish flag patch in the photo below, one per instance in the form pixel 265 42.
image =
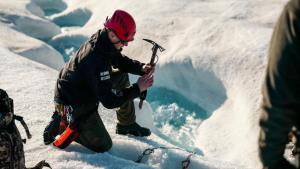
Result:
pixel 104 75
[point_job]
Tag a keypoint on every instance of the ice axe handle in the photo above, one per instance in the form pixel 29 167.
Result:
pixel 142 98
pixel 155 47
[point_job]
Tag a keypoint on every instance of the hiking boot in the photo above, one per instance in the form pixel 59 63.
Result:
pixel 55 127
pixel 133 129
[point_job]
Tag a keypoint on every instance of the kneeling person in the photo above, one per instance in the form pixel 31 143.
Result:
pixel 99 73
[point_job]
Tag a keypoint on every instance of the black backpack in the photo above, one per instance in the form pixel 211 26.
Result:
pixel 11 143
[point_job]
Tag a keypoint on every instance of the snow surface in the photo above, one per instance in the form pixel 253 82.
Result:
pixel 213 68
pixel 31 86
pixel 21 31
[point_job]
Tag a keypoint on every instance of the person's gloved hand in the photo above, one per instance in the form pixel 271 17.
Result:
pixel 148 68
pixel 145 81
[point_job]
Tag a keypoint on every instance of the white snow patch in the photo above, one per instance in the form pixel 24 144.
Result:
pixel 29 47
pixel 77 17
pixel 24 21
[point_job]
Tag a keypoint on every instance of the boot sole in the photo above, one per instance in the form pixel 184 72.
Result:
pixel 134 133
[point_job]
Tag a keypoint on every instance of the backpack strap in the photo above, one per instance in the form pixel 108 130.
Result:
pixel 21 120
pixel 42 163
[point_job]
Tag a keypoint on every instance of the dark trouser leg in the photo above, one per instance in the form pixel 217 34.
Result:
pixel 94 135
pixel 92 132
pixel 126 112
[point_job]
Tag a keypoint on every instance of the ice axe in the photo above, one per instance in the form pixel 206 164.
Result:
pixel 153 58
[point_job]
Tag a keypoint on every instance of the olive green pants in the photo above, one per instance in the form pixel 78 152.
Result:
pixel 126 112
pixel 93 133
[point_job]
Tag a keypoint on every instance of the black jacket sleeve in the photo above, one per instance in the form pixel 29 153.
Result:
pixel 102 87
pixel 112 100
pixel 281 91
pixel 125 64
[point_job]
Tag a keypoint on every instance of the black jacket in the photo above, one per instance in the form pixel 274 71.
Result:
pixel 86 77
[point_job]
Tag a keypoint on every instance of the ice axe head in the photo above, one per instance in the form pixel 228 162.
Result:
pixel 154 49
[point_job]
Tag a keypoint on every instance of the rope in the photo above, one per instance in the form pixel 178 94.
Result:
pixel 185 163
pixel 147 151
